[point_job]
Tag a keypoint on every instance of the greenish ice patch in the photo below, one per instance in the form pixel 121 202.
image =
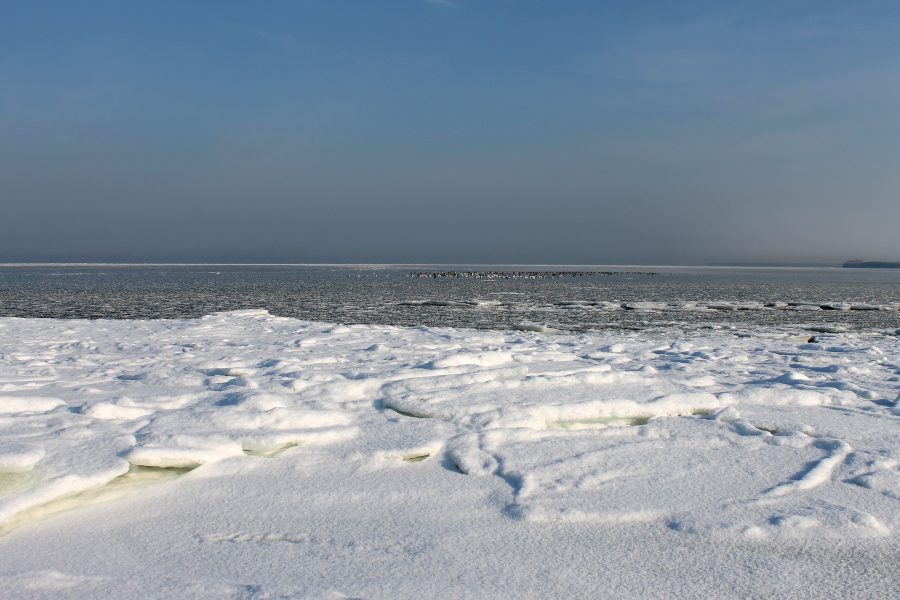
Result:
pixel 415 458
pixel 136 478
pixel 270 453
pixel 598 423
pixel 12 481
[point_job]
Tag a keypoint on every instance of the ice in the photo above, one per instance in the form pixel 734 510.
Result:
pixel 247 455
pixel 26 404
pixel 483 359
pixel 19 458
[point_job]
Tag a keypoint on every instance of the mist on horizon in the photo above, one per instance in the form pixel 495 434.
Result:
pixel 450 132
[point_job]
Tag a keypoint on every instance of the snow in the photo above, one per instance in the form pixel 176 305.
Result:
pixel 246 455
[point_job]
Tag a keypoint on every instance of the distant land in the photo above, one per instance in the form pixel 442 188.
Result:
pixel 816 265
pixel 871 264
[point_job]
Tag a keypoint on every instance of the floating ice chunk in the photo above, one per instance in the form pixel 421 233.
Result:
pixel 649 306
pixel 836 306
pixel 247 312
pixel 534 327
pixel 825 328
pixel 870 307
pixel 723 306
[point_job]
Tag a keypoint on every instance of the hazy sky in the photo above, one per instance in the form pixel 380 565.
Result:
pixel 579 131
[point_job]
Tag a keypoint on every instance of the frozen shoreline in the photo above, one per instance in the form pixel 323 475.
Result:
pixel 248 455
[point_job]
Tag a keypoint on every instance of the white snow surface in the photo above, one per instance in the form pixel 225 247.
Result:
pixel 243 455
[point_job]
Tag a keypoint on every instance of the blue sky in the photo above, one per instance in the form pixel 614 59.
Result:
pixel 476 131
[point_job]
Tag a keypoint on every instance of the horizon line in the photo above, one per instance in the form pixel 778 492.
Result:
pixel 761 265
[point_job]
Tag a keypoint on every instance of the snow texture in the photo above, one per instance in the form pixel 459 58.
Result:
pixel 250 456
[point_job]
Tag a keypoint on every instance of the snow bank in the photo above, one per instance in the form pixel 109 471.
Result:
pixel 246 455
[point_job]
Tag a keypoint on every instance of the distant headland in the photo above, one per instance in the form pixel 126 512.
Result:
pixel 871 264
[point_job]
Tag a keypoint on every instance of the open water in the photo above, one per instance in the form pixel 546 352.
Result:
pixel 493 297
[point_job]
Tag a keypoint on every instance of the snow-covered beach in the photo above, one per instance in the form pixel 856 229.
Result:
pixel 310 299
pixel 247 455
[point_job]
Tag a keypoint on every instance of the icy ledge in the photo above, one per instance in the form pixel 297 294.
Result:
pixel 387 461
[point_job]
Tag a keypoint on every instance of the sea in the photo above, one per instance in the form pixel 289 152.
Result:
pixel 539 298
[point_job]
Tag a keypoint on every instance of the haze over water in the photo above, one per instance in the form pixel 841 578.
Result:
pixel 449 131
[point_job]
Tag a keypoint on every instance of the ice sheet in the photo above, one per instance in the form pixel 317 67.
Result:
pixel 246 455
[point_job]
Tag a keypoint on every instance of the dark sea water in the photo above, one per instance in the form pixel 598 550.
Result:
pixel 820 299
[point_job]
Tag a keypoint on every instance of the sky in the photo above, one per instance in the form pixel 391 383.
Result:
pixel 445 131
